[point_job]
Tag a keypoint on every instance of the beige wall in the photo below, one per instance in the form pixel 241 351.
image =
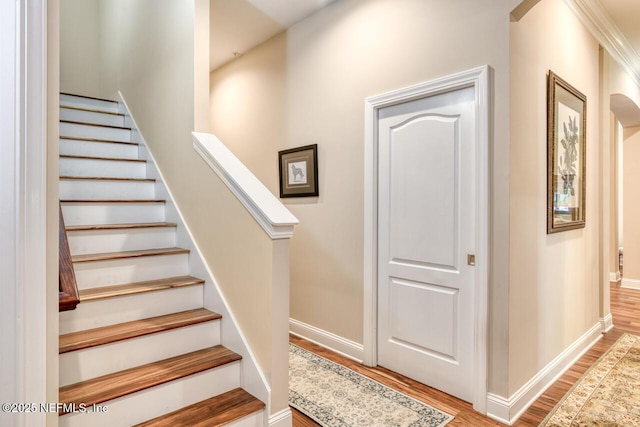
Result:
pixel 631 210
pixel 554 278
pixel 155 52
pixel 248 108
pixel 79 47
pixel 621 83
pixel 308 86
pixel 151 61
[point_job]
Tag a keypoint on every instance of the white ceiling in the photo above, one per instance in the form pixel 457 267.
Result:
pixel 239 25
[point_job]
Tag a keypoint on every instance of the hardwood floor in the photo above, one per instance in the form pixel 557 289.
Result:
pixel 118 384
pixel 625 307
pixel 463 412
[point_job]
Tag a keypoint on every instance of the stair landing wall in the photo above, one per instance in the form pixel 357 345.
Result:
pixel 247 275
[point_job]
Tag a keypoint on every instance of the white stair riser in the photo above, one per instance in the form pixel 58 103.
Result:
pixel 254 420
pixel 74 189
pixel 101 360
pixel 91 117
pixel 127 308
pixel 97 132
pixel 102 168
pixel 82 365
pixel 98 149
pixel 93 104
pixel 147 404
pixel 99 241
pixel 112 213
pixel 112 272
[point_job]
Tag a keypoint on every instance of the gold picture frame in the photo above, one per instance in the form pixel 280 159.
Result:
pixel 566 156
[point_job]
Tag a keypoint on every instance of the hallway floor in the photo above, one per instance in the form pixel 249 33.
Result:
pixel 625 308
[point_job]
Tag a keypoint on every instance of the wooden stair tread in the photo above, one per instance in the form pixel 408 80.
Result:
pixel 90 110
pixel 127 254
pixel 73 122
pixel 120 226
pixel 88 97
pixel 108 334
pixel 138 287
pixel 112 201
pixel 216 411
pixel 110 141
pixel 101 178
pixel 118 384
pixel 118 159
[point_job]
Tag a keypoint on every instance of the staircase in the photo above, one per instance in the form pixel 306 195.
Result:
pixel 140 348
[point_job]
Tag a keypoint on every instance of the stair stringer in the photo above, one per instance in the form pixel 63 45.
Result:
pixel 252 378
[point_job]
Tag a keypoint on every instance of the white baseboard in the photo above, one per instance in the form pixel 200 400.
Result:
pixel 630 283
pixel 499 408
pixel 333 342
pixel 615 276
pixel 283 418
pixel 508 411
pixel 606 323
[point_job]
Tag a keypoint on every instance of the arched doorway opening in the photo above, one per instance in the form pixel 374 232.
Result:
pixel 625 231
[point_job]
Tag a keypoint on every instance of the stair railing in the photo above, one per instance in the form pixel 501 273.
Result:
pixel 266 319
pixel 68 288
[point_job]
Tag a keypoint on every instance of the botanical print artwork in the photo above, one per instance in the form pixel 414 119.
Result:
pixel 566 156
pixel 335 396
pixel 568 191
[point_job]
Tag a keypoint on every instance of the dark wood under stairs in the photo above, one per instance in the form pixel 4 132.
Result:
pixel 103 201
pixel 138 287
pixel 110 141
pixel 108 387
pixel 101 178
pixel 68 297
pixel 95 110
pixel 127 254
pixel 113 159
pixel 98 361
pixel 217 411
pixel 74 122
pixel 120 226
pixel 123 331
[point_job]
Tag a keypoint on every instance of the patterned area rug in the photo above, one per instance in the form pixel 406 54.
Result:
pixel 608 394
pixel 335 396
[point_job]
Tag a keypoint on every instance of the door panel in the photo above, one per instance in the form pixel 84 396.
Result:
pixel 423 232
pixel 426 228
pixel 422 305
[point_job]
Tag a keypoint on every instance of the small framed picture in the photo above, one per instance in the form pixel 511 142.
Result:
pixel 566 150
pixel 299 171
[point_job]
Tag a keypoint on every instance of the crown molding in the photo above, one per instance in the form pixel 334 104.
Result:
pixel 600 24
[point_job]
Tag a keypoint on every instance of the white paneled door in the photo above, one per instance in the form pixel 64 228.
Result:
pixel 427 239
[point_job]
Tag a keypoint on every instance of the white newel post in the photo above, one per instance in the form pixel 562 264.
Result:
pixel 279 412
pixel 277 222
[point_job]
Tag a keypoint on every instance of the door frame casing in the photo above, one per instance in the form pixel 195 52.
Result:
pixel 29 303
pixel 480 79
